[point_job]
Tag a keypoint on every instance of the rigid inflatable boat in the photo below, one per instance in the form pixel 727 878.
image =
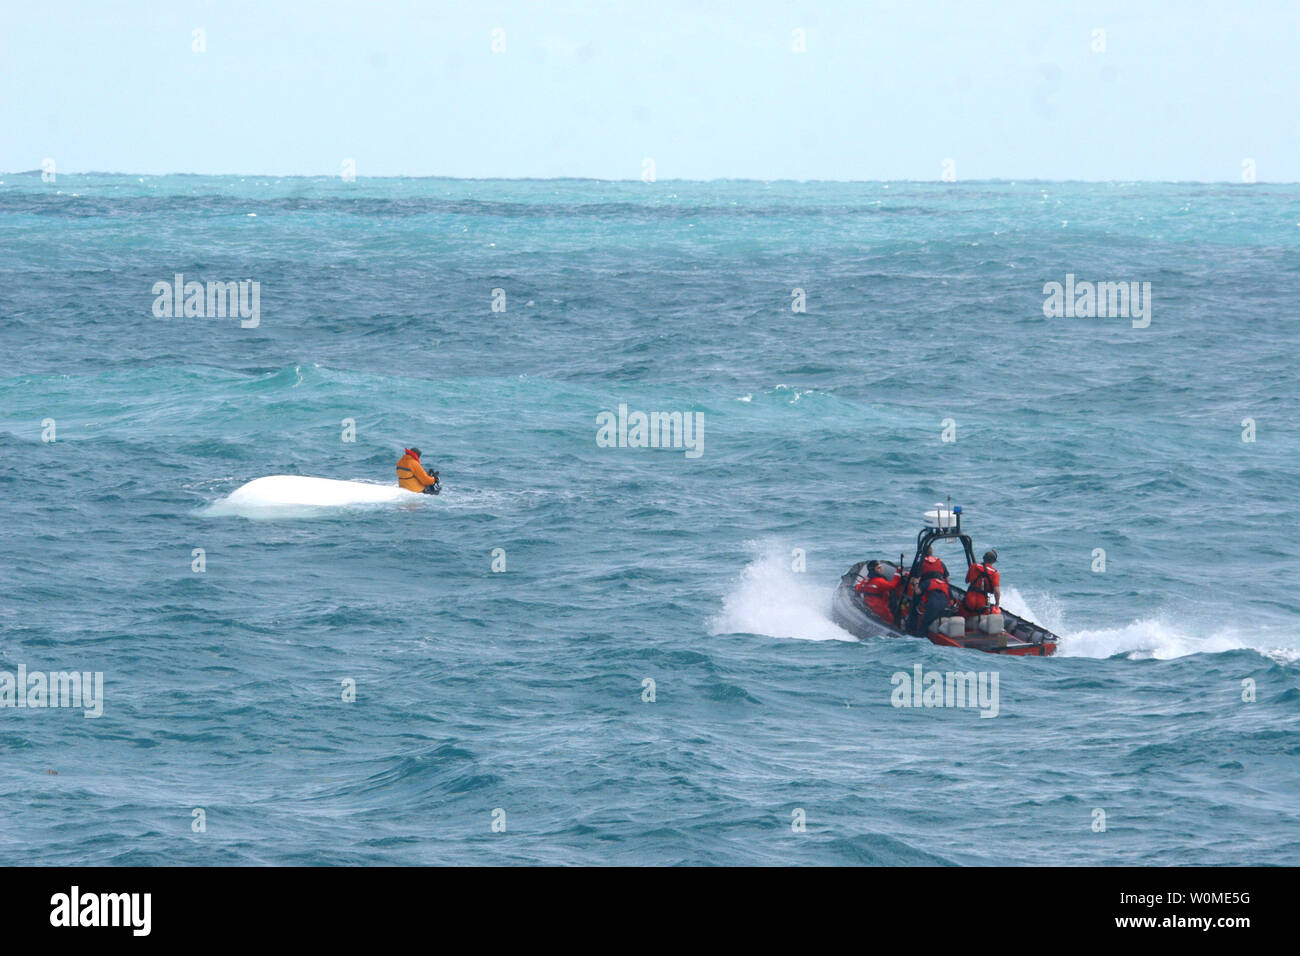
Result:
pixel 999 632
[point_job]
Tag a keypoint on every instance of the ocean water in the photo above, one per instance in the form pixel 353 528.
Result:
pixel 520 697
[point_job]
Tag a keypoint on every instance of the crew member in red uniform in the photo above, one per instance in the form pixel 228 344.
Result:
pixel 985 583
pixel 933 576
pixel 877 589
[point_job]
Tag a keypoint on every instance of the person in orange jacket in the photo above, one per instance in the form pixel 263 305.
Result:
pixel 412 476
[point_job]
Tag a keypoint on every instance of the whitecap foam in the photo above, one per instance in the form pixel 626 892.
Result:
pixel 774 600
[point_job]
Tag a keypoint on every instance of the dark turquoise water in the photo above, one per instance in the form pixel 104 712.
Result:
pixel 522 691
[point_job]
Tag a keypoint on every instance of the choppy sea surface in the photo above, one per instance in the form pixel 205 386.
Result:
pixel 654 677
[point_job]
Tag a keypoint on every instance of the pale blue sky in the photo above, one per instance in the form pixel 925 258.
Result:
pixel 887 89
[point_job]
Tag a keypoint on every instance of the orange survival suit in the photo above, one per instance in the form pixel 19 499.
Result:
pixel 411 474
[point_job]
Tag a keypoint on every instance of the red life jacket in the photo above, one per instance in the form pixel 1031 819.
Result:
pixel 931 566
pixel 934 576
pixel 934 584
pixel 983 582
pixel 876 591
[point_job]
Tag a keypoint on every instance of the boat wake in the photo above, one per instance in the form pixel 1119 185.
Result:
pixel 1152 638
pixel 1148 638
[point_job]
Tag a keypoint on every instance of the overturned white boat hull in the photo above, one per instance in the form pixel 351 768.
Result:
pixel 299 491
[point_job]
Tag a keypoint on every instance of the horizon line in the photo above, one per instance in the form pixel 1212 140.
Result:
pixel 720 179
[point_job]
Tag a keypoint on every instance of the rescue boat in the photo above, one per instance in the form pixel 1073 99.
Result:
pixel 995 633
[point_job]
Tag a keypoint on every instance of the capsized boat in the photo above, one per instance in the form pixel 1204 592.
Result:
pixel 1002 633
pixel 277 496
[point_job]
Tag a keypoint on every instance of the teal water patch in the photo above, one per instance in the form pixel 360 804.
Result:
pixel 500 637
